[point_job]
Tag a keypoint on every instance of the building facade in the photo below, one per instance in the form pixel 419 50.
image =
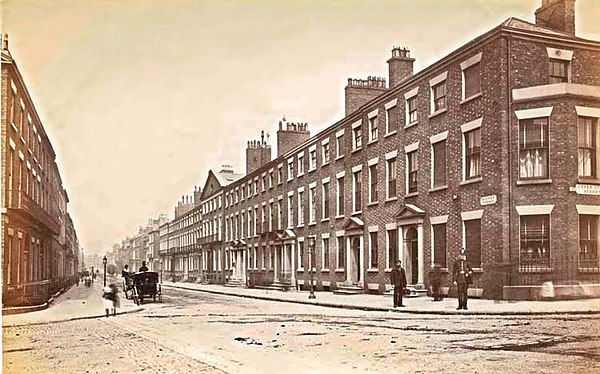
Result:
pixel 493 149
pixel 40 249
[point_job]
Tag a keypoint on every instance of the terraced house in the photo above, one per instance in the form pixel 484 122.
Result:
pixel 40 248
pixel 494 148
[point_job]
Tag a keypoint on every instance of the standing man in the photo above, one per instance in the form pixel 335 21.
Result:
pixel 436 283
pixel 398 278
pixel 125 271
pixel 463 276
pixel 143 267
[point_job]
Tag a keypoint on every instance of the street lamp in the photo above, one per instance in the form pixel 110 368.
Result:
pixel 311 252
pixel 104 261
pixel 161 269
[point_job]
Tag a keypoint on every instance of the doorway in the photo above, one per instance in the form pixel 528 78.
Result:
pixel 355 246
pixel 412 250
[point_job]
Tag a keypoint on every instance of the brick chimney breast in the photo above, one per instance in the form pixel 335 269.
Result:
pixel 557 15
pixel 400 65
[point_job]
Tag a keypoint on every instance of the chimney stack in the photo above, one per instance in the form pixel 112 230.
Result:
pixel 400 65
pixel 5 42
pixel 557 15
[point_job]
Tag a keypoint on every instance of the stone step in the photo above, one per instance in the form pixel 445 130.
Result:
pixel 349 290
pixel 414 292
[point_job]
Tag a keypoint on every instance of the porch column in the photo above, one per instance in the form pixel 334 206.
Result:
pixel 361 275
pixel 347 251
pixel 401 249
pixel 293 262
pixel 421 272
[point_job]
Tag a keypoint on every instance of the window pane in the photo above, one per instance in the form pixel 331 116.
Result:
pixel 473 242
pixel 533 145
pixel 588 241
pixel 439 245
pixel 472 81
pixel 439 164
pixel 535 239
pixel 373 248
pixel 392 247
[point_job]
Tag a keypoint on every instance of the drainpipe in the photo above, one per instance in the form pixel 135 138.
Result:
pixel 510 182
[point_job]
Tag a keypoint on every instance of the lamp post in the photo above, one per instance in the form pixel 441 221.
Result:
pixel 104 261
pixel 311 252
pixel 161 269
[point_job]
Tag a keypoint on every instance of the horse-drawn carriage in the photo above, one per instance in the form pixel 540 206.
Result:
pixel 142 285
pixel 87 278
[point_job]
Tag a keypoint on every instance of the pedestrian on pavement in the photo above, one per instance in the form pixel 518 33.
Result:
pixel 436 283
pixel 462 275
pixel 143 267
pixel 125 271
pixel 110 299
pixel 398 278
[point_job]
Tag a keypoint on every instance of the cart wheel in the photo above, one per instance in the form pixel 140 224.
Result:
pixel 141 300
pixel 154 297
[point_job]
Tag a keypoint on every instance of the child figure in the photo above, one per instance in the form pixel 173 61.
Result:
pixel 110 299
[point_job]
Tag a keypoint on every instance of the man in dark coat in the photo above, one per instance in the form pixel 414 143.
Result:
pixel 143 267
pixel 398 278
pixel 125 271
pixel 462 275
pixel 436 283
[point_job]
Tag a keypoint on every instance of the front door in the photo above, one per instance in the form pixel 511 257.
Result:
pixel 355 259
pixel 412 249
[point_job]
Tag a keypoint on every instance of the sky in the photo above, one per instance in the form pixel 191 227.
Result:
pixel 140 98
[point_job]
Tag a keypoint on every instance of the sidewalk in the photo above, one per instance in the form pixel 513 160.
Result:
pixel 77 303
pixel 420 305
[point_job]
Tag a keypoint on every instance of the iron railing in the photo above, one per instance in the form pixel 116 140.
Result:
pixel 567 269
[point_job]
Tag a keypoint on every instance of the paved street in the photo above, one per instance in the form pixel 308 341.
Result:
pixel 200 332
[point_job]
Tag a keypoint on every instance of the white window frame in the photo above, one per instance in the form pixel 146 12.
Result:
pixel 474 60
pixel 389 106
pixel 356 130
pixel 339 143
pixel 439 79
pixel 466 128
pixel 372 118
pixel 325 145
pixel 356 170
pixel 290 173
pixel 443 136
pixel 408 96
pixel 414 147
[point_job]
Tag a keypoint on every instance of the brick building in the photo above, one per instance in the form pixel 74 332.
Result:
pixel 494 148
pixel 40 249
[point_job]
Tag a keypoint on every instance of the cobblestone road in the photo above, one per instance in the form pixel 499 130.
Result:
pixel 198 332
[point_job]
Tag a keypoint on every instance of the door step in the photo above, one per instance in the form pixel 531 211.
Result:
pixel 349 290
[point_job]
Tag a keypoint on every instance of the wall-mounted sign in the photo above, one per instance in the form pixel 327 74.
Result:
pixel 587 189
pixel 488 200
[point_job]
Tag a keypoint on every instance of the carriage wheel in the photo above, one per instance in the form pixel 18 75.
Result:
pixel 141 300
pixel 154 297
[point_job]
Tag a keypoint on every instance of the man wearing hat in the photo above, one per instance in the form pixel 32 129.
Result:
pixel 398 278
pixel 462 275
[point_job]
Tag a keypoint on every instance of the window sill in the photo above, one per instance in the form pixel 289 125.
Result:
pixel 300 226
pixel 338 217
pixel 300 270
pixel 325 164
pixel 533 181
pixel 471 98
pixel 339 158
pixel 311 170
pixel 372 270
pixel 312 223
pixel 324 270
pixel 388 270
pixel 290 179
pixel 325 220
pixel 356 149
pixel 444 110
pixel 412 194
pixel 300 175
pixel 373 141
pixel 390 133
pixel 588 180
pixel 391 199
pixel 340 270
pixel 439 188
pixel 470 181
pixel 357 212
pixel 477 270
pixel 411 125
pixel 374 203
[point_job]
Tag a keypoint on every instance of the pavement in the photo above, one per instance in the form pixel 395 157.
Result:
pixel 416 305
pixel 84 303
pixel 78 302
